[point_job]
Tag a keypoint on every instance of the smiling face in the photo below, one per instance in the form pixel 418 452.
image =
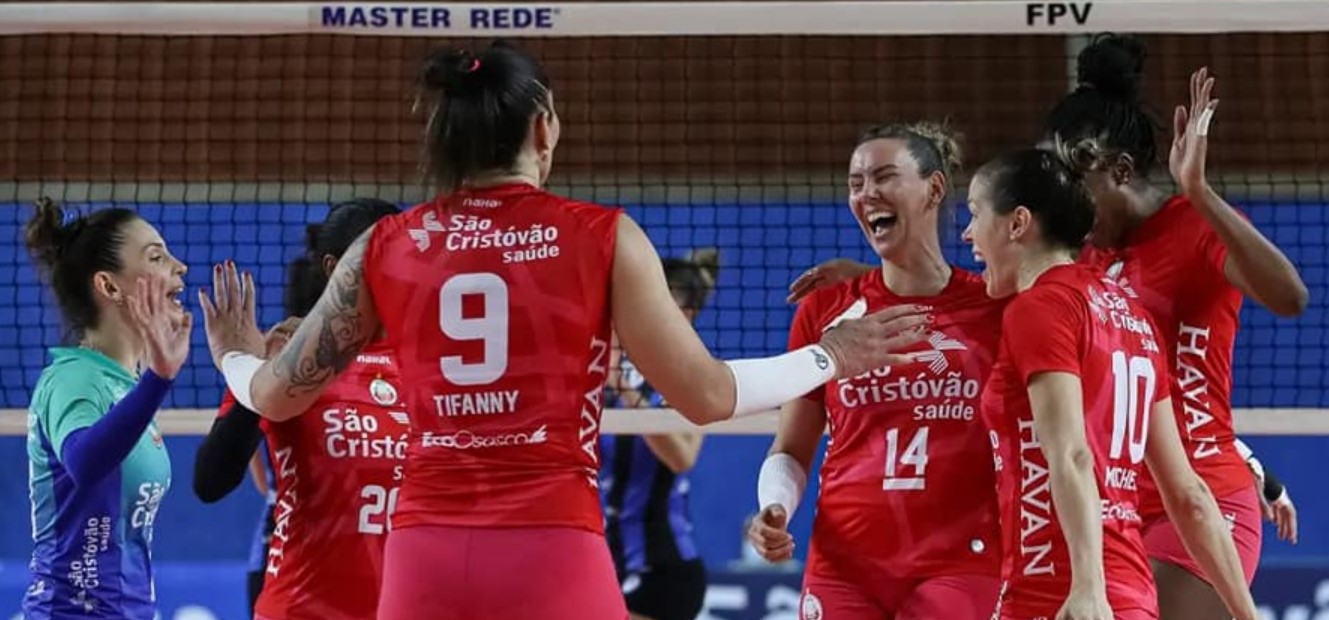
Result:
pixel 896 206
pixel 142 255
pixel 993 236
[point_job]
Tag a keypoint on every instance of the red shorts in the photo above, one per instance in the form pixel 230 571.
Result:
pixel 954 597
pixel 1242 511
pixel 460 573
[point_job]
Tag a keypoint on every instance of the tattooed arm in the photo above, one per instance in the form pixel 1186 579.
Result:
pixel 338 327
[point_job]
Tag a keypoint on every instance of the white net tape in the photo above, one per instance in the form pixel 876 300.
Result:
pixel 652 421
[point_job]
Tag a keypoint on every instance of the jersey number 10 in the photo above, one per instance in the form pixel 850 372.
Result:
pixel 491 327
pixel 1133 386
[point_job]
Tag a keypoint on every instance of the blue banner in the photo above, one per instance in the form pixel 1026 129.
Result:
pixel 216 591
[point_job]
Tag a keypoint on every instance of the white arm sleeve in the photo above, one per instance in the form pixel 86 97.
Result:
pixel 239 369
pixel 766 383
pixel 781 481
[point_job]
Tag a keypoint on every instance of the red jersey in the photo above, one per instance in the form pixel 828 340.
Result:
pixel 337 468
pixel 1077 321
pixel 1174 263
pixel 497 301
pixel 905 486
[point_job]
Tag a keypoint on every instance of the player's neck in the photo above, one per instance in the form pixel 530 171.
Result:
pixel 527 172
pixel 114 342
pixel 1036 263
pixel 497 180
pixel 1145 203
pixel 922 273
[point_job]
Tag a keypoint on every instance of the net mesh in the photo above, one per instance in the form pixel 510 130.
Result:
pixel 231 144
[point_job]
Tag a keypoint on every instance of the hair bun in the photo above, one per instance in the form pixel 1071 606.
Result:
pixel 947 142
pixel 1114 65
pixel 707 261
pixel 46 234
pixel 450 71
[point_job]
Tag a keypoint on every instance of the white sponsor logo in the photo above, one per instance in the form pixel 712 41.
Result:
pixel 466 440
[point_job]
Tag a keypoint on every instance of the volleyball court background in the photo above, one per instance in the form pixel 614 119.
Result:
pixel 232 144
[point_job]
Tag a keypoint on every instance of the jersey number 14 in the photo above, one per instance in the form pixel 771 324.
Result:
pixel 905 469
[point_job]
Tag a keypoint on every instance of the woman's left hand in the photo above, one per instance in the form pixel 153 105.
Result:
pixel 1190 135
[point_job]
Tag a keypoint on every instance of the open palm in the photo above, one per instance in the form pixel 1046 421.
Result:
pixel 1190 129
pixel 163 331
pixel 229 317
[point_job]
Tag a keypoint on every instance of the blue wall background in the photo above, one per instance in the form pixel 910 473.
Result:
pixel 1279 363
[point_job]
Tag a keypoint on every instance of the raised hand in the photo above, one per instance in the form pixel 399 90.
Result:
pixel 876 340
pixel 1190 134
pixel 163 330
pixel 230 320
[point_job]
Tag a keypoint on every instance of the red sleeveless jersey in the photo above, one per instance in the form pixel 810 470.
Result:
pixel 497 304
pixel 906 486
pixel 337 468
pixel 1074 320
pixel 1174 263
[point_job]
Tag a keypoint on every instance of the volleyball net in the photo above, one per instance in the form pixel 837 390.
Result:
pixel 232 126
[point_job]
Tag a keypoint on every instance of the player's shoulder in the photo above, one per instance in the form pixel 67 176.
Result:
pixel 592 215
pixel 78 371
pixel 1063 287
pixel 403 222
pixel 827 305
pixel 76 376
pixel 1179 217
pixel 574 205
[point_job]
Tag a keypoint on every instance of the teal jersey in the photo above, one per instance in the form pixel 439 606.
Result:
pixel 92 546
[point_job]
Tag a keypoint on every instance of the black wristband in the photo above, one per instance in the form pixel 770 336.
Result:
pixel 1273 489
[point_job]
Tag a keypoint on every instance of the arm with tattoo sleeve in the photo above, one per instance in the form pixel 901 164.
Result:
pixel 338 327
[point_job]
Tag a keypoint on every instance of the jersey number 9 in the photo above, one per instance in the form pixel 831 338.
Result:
pixel 491 328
